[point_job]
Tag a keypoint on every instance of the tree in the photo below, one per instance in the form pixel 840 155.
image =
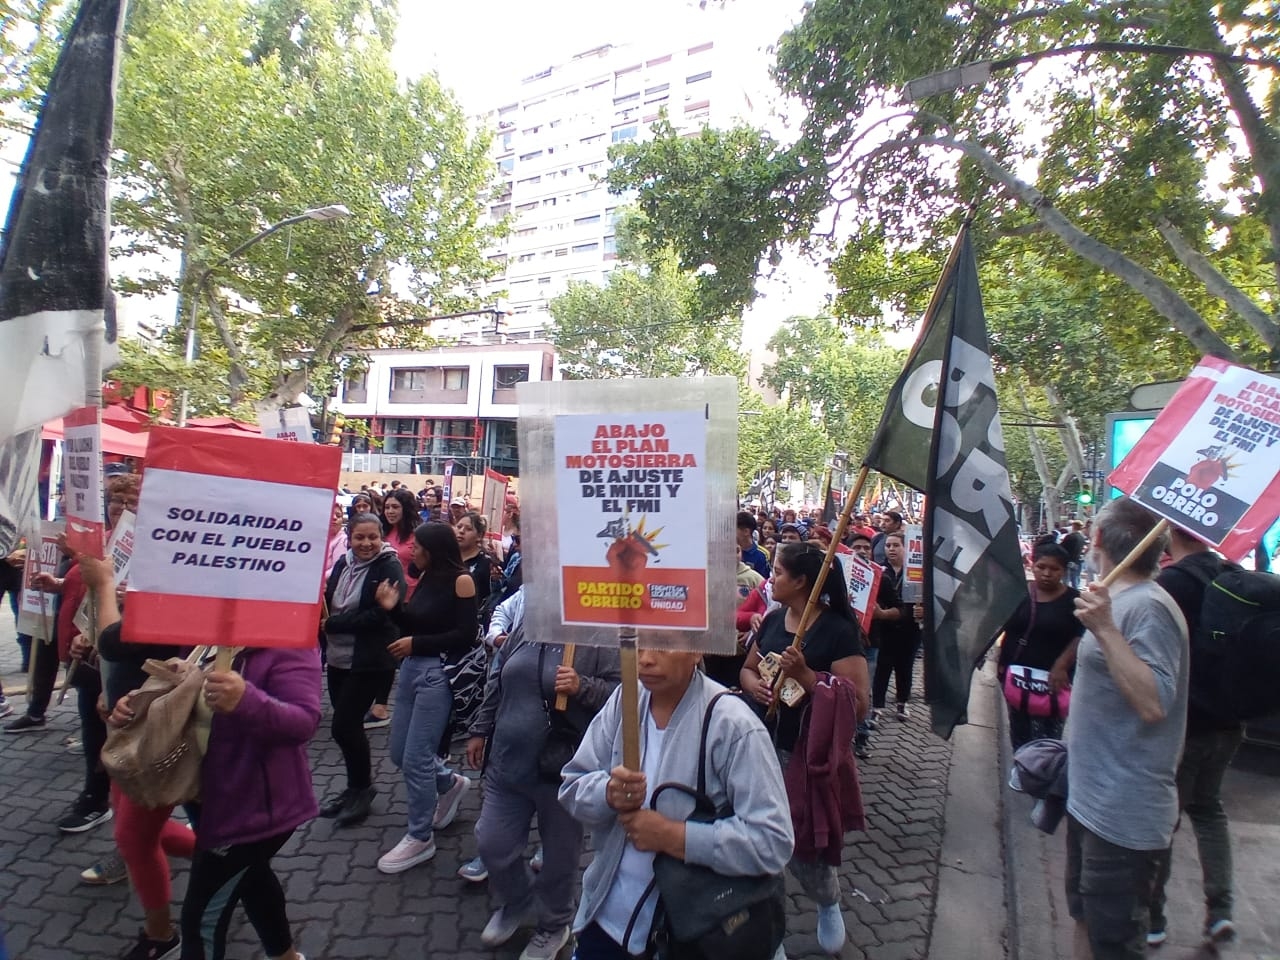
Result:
pixel 1111 155
pixel 841 376
pixel 785 437
pixel 235 115
pixel 644 322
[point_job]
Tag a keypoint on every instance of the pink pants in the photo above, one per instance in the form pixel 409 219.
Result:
pixel 146 838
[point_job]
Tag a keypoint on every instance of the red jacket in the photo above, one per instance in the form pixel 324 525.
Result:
pixel 822 775
pixel 755 603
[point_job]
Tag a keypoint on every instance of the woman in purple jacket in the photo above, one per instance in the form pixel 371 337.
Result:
pixel 256 790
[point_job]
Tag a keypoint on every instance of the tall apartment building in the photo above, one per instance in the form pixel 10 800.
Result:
pixel 551 143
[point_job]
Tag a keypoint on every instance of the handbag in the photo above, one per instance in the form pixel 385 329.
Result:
pixel 466 675
pixel 156 759
pixel 1027 689
pixel 702 914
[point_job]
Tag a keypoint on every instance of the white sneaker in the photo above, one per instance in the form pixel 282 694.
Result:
pixel 545 944
pixel 535 862
pixel 831 932
pixel 1015 779
pixel 504 923
pixel 406 854
pixel 447 805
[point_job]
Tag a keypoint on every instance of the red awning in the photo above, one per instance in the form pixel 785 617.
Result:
pixel 115 441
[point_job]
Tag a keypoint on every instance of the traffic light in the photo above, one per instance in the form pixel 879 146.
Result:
pixel 335 435
pixel 1084 498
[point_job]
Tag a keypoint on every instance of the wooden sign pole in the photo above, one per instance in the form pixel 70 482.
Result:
pixel 630 697
pixel 562 699
pixel 1156 532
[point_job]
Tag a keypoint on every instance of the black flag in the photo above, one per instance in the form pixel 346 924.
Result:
pixel 940 433
pixel 55 316
pixel 829 512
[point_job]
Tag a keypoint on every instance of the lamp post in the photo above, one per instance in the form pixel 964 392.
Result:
pixel 333 211
pixel 978 73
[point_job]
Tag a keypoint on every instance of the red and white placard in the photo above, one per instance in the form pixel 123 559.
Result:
pixel 82 473
pixel 1210 463
pixel 230 540
pixel 863 579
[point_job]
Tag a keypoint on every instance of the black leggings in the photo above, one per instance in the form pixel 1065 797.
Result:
pixel 897 657
pixel 241 873
pixel 93 733
pixel 352 692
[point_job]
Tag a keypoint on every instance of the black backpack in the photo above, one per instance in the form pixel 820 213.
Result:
pixel 1235 645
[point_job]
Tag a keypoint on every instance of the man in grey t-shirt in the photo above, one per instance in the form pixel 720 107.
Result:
pixel 1128 719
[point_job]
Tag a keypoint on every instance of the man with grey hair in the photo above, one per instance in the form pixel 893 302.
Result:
pixel 1128 718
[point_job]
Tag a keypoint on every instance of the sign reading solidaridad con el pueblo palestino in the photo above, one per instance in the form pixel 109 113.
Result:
pixel 631 510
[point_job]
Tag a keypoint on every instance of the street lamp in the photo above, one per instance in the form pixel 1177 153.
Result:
pixel 978 73
pixel 332 211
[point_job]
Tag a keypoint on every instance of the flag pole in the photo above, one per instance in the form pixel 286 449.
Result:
pixel 826 487
pixel 566 660
pixel 816 593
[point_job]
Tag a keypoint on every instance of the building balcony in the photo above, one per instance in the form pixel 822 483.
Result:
pixel 427 395
pixel 506 395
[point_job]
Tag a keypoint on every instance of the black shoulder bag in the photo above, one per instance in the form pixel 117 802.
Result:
pixel 563 736
pixel 702 914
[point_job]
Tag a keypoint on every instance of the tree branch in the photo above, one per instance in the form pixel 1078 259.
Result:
pixel 1167 301
pixel 330 343
pixel 1219 286
pixel 238 376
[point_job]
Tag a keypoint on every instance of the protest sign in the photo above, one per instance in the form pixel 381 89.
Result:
pixel 285 423
pixel 230 540
pixel 863 578
pixel 627 489
pixel 913 580
pixel 119 552
pixel 82 472
pixel 446 486
pixel 35 612
pixel 1210 461
pixel 629 493
pixel 493 500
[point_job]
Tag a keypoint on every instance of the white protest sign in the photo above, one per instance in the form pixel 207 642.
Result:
pixel 35 616
pixel 863 579
pixel 913 581
pixel 82 472
pixel 286 423
pixel 119 552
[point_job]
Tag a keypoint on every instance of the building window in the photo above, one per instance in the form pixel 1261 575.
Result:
pixel 506 142
pixel 625 134
pixel 530 156
pixel 701 48
pixel 549 202
pixel 696 78
pixel 700 105
pixel 585 247
pixel 400 436
pixel 588 141
pixel 660 88
pixel 499 210
pixel 526 231
pixel 610 245
pixel 544 281
pixel 355 389
pixel 456 378
pixel 409 379
pixel 505 378
pixel 524 258
pixel 526 207
pixel 586 221
pixel 658 61
pixel 507 164
pixel 629 98
pixel 562 252
pixel 529 181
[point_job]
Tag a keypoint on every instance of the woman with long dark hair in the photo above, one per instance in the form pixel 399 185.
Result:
pixel 832 644
pixel 438 623
pixel 399 520
pixel 471 530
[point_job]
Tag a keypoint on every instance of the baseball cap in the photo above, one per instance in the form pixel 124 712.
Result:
pixel 458 502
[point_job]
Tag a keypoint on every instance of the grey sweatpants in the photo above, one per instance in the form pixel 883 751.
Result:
pixel 502 833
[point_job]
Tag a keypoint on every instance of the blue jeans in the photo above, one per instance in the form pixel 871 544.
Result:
pixel 423 704
pixel 1073 574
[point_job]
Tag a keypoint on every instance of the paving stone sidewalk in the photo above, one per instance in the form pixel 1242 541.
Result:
pixel 341 907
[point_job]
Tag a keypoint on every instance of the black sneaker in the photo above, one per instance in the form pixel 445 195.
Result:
pixel 25 724
pixel 85 814
pixel 903 712
pixel 333 804
pixel 357 808
pixel 148 949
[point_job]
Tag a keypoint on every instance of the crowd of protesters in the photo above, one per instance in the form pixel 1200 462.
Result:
pixel 423 631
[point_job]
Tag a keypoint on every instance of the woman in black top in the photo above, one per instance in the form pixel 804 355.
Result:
pixel 438 623
pixel 1051 640
pixel 832 644
pixel 898 634
pixel 470 531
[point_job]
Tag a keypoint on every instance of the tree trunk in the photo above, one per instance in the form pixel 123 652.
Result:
pixel 1069 435
pixel 326 348
pixel 1049 492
